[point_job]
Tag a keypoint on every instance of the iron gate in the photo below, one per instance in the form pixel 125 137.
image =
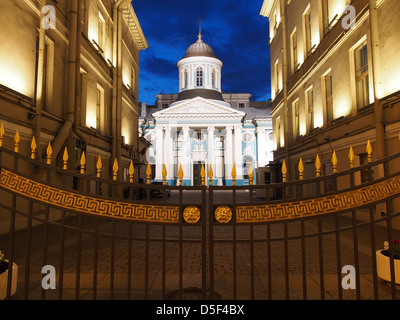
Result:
pixel 289 240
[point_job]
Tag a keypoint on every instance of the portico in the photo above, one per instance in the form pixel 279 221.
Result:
pixel 210 136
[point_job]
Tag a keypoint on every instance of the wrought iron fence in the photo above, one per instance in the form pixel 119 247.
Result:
pixel 230 242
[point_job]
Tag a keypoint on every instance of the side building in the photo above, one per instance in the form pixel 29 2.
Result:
pixel 334 77
pixel 69 77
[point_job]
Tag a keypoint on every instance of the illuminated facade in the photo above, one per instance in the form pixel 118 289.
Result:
pixel 335 68
pixel 69 76
pixel 202 126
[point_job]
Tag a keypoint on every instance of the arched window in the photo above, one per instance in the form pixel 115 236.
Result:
pixel 185 79
pixel 214 78
pixel 199 77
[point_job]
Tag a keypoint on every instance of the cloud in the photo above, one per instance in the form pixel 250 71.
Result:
pixel 234 29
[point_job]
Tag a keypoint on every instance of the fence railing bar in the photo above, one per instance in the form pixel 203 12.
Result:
pixel 163 262
pixel 303 258
pixel 373 252
pixel 269 263
pixel 146 264
pixel 286 253
pixel 112 263
pixel 252 261
pixel 321 259
pixel 129 258
pixel 234 248
pixel 338 257
pixel 204 243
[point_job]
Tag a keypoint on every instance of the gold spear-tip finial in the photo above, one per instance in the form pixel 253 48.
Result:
pixel 131 171
pixel 318 166
pixel 65 159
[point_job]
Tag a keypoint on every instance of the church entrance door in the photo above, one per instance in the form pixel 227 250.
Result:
pixel 197 173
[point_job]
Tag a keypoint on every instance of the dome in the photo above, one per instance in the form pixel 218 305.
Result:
pixel 199 48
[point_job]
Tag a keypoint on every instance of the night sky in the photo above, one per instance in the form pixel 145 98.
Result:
pixel 234 29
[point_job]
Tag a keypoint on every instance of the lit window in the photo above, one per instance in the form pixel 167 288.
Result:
pixel 185 79
pixel 325 16
pixel 296 112
pixel 362 83
pixel 329 97
pixel 133 80
pixel 199 77
pixel 100 38
pixel 295 60
pixel 99 102
pixel 310 107
pixel 214 79
pixel 277 76
pixel 307 30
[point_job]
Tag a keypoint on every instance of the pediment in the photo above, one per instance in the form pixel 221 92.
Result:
pixel 199 108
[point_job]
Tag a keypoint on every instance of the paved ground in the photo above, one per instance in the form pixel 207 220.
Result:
pixel 227 274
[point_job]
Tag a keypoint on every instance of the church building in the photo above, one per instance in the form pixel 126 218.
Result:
pixel 201 125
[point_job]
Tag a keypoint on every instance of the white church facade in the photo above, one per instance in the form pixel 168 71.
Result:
pixel 202 126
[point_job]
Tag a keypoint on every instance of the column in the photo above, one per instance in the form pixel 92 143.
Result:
pixel 186 153
pixel 159 152
pixel 169 153
pixel 210 152
pixel 261 161
pixel 238 152
pixel 228 154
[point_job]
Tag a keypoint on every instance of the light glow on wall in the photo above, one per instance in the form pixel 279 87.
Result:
pixel 342 106
pixel 12 75
pixel 126 134
pixel 390 83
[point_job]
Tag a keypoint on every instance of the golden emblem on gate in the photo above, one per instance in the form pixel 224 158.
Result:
pixel 223 214
pixel 191 214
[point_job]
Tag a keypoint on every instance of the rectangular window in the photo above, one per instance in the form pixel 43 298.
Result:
pixel 199 77
pixel 277 76
pixel 296 112
pixel 278 132
pixel 325 16
pixel 99 106
pixel 241 105
pixel 100 36
pixel 362 83
pixel 83 17
pixel 185 79
pixel 310 107
pixel 294 51
pixel 307 31
pixel 133 80
pixel 329 97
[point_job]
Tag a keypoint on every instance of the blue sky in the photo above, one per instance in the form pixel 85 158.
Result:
pixel 233 28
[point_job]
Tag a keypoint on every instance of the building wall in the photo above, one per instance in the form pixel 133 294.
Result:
pixel 332 52
pixel 97 62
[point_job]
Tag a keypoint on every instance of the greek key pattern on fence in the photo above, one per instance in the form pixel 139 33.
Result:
pixel 323 205
pixel 66 200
